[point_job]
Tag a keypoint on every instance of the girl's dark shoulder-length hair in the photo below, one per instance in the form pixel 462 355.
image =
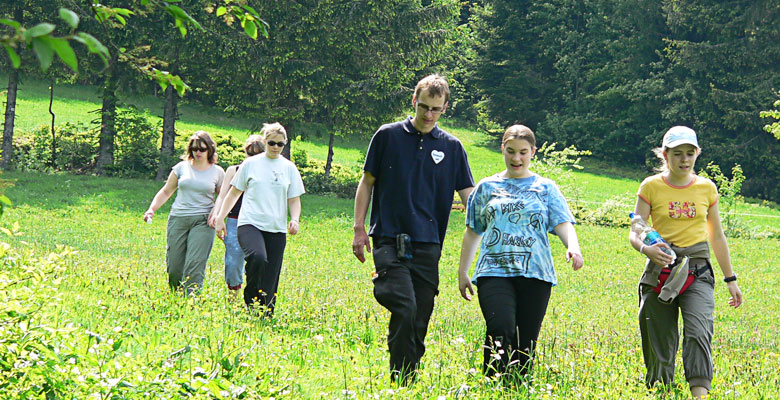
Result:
pixel 199 139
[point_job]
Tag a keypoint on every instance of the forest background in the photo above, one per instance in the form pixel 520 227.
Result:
pixel 604 76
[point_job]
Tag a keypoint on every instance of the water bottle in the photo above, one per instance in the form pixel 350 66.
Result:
pixel 648 235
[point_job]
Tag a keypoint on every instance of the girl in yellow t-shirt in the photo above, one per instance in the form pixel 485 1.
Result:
pixel 684 210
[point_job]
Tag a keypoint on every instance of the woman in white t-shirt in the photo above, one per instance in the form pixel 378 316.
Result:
pixel 190 238
pixel 272 187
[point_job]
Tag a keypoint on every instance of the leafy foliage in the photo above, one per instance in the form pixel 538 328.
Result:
pixel 341 182
pixel 557 165
pixel 45 45
pixel 613 76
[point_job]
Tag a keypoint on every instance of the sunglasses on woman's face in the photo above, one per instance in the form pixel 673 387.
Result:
pixel 276 144
pixel 203 149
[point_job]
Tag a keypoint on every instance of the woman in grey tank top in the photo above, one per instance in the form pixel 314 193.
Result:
pixel 190 238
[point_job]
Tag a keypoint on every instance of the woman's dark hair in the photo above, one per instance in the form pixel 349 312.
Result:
pixel 198 140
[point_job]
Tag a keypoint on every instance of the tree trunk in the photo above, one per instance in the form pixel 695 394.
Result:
pixel 53 135
pixel 108 120
pixel 170 115
pixel 10 106
pixel 10 114
pixel 330 154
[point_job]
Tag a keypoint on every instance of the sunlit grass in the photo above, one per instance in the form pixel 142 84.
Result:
pixel 327 339
pixel 328 336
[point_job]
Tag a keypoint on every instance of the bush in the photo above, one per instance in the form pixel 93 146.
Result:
pixel 611 212
pixel 556 165
pixel 137 145
pixel 230 151
pixel 76 149
pixel 342 181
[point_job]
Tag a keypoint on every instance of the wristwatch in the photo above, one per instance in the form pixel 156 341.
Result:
pixel 730 278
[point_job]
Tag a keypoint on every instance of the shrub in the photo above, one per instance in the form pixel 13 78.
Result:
pixel 612 212
pixel 557 164
pixel 76 149
pixel 342 181
pixel 230 151
pixel 137 144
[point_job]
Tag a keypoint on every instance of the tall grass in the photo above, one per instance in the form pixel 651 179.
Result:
pixel 327 338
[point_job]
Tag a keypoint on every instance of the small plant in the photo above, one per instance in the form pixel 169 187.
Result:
pixel 557 164
pixel 729 192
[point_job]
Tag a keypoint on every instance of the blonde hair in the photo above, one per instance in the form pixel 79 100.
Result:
pixel 520 132
pixel 255 144
pixel 273 129
pixel 435 84
pixel 200 138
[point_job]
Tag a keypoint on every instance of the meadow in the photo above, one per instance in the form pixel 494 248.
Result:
pixel 127 336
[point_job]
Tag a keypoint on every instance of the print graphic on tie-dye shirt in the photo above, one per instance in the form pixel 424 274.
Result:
pixel 514 217
pixel 679 209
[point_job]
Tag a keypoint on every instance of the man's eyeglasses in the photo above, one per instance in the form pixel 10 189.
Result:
pixel 425 108
pixel 276 144
pixel 203 149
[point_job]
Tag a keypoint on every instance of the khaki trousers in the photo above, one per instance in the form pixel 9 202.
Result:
pixel 190 239
pixel 660 335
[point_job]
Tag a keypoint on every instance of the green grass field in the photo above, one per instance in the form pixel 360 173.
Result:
pixel 327 339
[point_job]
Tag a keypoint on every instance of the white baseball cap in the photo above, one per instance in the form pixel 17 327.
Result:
pixel 678 135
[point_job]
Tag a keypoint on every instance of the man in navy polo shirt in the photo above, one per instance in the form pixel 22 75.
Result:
pixel 412 169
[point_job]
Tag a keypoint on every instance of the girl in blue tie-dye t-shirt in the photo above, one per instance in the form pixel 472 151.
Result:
pixel 508 217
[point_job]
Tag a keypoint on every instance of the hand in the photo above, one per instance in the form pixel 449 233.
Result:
pixel 657 255
pixel 219 226
pixel 360 241
pixel 464 284
pixel 212 220
pixel 292 227
pixel 736 295
pixel 149 214
pixel 575 258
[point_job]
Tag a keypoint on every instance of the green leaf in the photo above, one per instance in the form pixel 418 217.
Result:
pixel 5 200
pixel 264 28
pixel 66 54
pixel 94 45
pixel 15 60
pixel 251 29
pixel 11 23
pixel 124 11
pixel 181 15
pixel 221 11
pixel 44 50
pixel 38 30
pixel 179 85
pixel 70 17
pixel 251 11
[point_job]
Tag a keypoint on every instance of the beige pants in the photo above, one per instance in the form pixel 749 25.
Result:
pixel 660 335
pixel 190 239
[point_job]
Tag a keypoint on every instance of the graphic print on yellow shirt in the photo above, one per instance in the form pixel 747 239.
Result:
pixel 679 213
pixel 682 209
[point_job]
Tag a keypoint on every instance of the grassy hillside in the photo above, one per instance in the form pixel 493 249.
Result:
pixel 121 334
pixel 74 103
pixel 328 337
